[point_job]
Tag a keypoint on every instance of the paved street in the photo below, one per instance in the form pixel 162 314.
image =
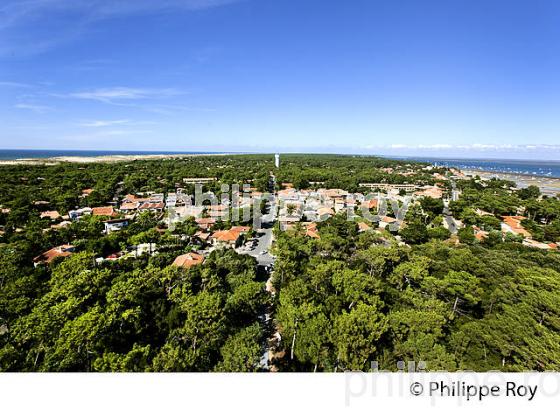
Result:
pixel 261 253
pixel 264 238
pixel 449 221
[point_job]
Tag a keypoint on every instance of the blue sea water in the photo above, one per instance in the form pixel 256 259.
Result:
pixel 11 154
pixel 545 168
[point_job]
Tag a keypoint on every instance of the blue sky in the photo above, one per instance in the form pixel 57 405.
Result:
pixel 448 77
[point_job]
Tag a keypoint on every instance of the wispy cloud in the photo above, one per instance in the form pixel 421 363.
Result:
pixel 475 150
pixel 477 147
pixel 110 123
pixel 13 12
pixel 39 109
pixel 21 20
pixel 92 65
pixel 117 95
pixel 102 123
pixel 102 136
pixel 166 109
pixel 14 84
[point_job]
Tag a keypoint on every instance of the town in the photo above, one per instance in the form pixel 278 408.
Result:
pixel 272 206
pixel 290 208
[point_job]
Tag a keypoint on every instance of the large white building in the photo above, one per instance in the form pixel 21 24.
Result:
pixel 277 160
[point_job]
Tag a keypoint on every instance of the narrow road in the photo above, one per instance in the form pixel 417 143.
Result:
pixel 449 220
pixel 265 262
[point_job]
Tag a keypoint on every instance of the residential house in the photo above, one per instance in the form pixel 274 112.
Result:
pixel 104 211
pixel 219 211
pixel 311 230
pixel 324 213
pixel 388 187
pixel 189 211
pixel 152 206
pixel 339 205
pixel 202 236
pixel 187 260
pixel 115 225
pixel 363 227
pixel 289 194
pixel 53 215
pixel 512 224
pixel 370 205
pixel 479 233
pixel 142 248
pixel 63 224
pixel 128 207
pixel 78 213
pixel 47 257
pixel 231 237
pixel 205 223
pixel 386 220
pixel 539 245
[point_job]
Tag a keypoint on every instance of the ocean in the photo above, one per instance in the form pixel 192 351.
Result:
pixel 545 168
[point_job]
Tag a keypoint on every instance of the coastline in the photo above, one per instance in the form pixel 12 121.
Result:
pixel 547 184
pixel 101 158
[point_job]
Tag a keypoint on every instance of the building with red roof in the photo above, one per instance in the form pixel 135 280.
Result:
pixel 47 257
pixel 187 260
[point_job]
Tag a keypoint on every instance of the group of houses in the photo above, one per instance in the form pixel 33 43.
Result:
pixel 294 206
pixel 512 224
pixel 310 205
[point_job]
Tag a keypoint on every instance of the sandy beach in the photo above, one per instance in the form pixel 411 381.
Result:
pixel 548 185
pixel 98 159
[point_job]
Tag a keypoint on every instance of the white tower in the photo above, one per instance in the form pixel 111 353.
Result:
pixel 277 160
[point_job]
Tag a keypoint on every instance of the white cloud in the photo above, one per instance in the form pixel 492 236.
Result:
pixel 467 147
pixel 21 20
pixel 105 135
pixel 14 84
pixel 109 123
pixel 101 123
pixel 119 94
pixel 14 12
pixel 166 109
pixel 39 109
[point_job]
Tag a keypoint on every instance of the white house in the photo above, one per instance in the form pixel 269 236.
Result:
pixel 115 225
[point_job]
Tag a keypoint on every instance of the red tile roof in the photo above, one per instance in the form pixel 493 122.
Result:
pixel 129 206
pixel 362 227
pixel 205 222
pixel 514 223
pixel 226 236
pixel 61 251
pixel 311 230
pixel 104 211
pixel 189 259
pixel 371 204
pixel 152 205
pixel 388 219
